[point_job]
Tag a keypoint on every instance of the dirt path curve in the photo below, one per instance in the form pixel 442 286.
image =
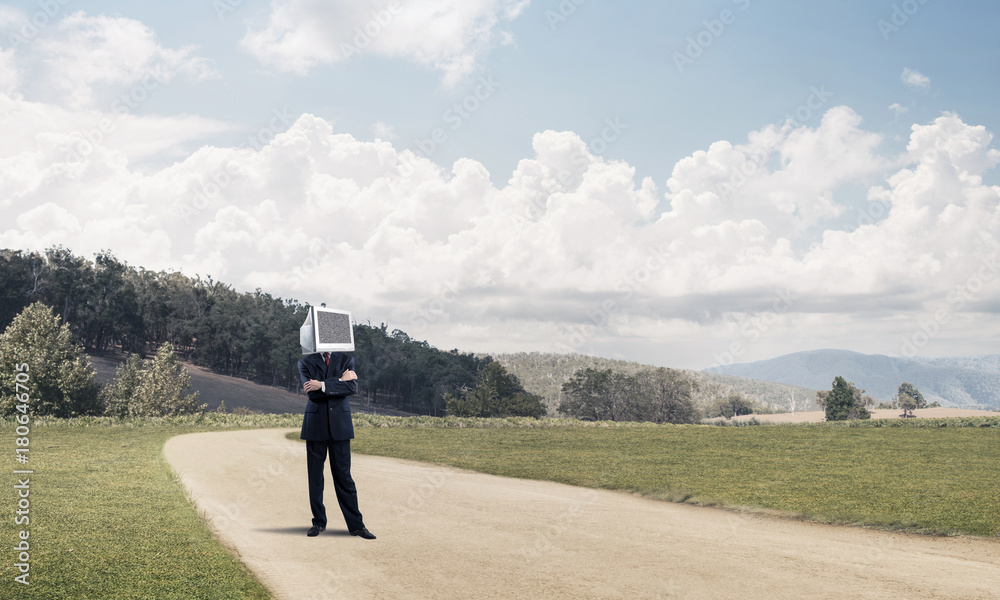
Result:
pixel 446 533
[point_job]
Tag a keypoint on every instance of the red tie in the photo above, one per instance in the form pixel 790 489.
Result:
pixel 326 357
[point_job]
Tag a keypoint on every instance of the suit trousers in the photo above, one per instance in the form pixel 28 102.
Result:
pixel 343 484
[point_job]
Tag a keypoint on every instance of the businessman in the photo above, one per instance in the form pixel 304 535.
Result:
pixel 329 380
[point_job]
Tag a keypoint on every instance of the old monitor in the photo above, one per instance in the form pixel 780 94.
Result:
pixel 326 330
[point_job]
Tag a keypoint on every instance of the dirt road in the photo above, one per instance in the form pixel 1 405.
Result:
pixel 445 533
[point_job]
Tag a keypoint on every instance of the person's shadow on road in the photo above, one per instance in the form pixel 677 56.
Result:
pixel 298 531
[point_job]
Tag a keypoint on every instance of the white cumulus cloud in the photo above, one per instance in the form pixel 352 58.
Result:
pixel 85 61
pixel 446 35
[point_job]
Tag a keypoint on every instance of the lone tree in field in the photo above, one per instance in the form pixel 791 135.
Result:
pixel 61 380
pixel 733 405
pixel 156 389
pixel 909 398
pixel 497 394
pixel 844 401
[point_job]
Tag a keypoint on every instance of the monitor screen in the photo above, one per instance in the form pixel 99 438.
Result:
pixel 326 330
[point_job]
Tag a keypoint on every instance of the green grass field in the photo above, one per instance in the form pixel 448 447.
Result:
pixel 109 520
pixel 919 479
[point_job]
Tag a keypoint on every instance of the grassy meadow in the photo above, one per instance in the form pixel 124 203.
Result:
pixel 925 477
pixel 109 519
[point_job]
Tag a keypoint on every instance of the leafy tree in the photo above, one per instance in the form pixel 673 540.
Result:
pixel 660 395
pixel 68 279
pixel 61 379
pixel 863 404
pixel 497 394
pixel 844 401
pixel 912 391
pixel 588 395
pixel 909 399
pixel 112 312
pixel 907 403
pixel 733 405
pixel 21 279
pixel 524 404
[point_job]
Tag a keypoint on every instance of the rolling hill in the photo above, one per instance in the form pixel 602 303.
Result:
pixel 213 389
pixel 544 374
pixel 961 381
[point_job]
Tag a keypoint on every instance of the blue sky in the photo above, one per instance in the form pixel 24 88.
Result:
pixel 610 60
pixel 645 109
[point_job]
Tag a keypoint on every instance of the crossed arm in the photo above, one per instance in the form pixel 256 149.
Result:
pixel 313 385
pixel 344 386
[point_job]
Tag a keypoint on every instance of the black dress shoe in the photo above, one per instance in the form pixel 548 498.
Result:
pixel 363 532
pixel 315 530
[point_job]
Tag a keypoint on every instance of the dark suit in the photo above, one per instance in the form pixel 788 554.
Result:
pixel 327 428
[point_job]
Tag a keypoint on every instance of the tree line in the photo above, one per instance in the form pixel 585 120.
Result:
pixel 112 307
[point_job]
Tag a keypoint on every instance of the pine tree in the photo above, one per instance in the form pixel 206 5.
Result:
pixel 118 394
pixel 840 400
pixel 154 389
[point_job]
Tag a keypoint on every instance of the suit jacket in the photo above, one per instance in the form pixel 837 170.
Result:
pixel 328 414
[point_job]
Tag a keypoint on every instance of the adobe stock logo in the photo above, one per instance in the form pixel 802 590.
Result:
pixel 757 162
pixel 364 36
pixel 454 117
pixel 957 298
pixel 698 43
pixel 580 163
pixel 601 315
pixel 36 22
pixel 224 7
pixel 458 114
pixel 565 10
pixel 211 187
pixel 753 328
pixel 87 141
pixel 900 16
pixel 435 309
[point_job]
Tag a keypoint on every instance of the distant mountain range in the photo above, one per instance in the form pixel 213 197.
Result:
pixel 959 381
